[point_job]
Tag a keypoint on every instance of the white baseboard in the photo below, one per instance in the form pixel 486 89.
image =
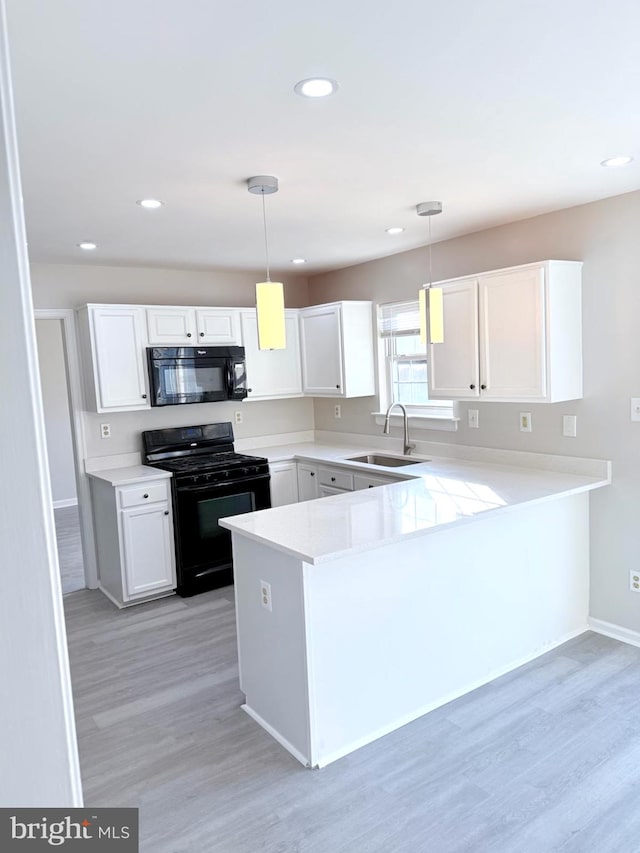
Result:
pixel 275 734
pixel 616 632
pixel 66 502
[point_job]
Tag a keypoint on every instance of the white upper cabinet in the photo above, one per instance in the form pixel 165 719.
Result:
pixel 511 335
pixel 177 326
pixel 336 346
pixel 113 341
pixel 171 326
pixel 272 373
pixel 454 364
pixel 513 332
pixel 218 326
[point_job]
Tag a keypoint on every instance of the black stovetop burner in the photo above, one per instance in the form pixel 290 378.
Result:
pixel 207 462
pixel 202 453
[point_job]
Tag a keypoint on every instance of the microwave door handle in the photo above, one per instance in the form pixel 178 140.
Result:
pixel 230 383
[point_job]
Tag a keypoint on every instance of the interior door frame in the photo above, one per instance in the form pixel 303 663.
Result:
pixel 74 384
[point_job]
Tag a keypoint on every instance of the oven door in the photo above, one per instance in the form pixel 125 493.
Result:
pixel 188 380
pixel 203 548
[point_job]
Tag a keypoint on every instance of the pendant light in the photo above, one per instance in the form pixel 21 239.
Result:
pixel 269 294
pixel 435 307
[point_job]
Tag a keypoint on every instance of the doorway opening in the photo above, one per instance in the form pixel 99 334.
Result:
pixel 62 406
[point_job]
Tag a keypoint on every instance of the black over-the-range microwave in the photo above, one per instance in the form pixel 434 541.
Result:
pixel 181 375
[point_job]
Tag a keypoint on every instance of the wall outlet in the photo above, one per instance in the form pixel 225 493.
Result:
pixel 569 426
pixel 265 595
pixel 634 581
pixel 237 416
pixel 474 418
pixel 105 430
pixel 337 412
pixel 525 421
pixel 635 408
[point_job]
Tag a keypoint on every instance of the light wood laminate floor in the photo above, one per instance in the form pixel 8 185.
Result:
pixel 544 759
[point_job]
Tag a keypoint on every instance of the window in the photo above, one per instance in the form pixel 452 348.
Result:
pixel 403 362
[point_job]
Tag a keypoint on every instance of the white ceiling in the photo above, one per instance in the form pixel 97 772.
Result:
pixel 499 109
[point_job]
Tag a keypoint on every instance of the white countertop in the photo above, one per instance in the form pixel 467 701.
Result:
pixel 129 475
pixel 440 492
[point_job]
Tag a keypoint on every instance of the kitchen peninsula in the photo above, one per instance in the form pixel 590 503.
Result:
pixel 361 611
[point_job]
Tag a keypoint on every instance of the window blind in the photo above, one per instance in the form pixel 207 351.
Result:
pixel 399 318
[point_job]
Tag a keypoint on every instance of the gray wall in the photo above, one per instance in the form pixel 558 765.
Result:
pixel 604 235
pixel 72 285
pixel 67 286
pixel 55 403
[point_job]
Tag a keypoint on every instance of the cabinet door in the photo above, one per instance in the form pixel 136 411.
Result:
pixel 218 326
pixel 284 483
pixel 512 335
pixel 321 351
pixel 171 326
pixel 326 491
pixel 148 556
pixel 307 482
pixel 272 373
pixel 119 358
pixel 453 366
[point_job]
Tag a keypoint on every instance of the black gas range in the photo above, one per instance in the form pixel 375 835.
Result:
pixel 210 481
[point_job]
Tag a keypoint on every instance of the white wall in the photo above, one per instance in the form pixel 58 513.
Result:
pixel 37 731
pixel 604 235
pixel 67 286
pixel 55 403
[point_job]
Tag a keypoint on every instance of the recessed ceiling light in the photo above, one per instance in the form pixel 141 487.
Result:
pixel 394 230
pixel 316 87
pixel 88 247
pixel 299 261
pixel 150 203
pixel 623 160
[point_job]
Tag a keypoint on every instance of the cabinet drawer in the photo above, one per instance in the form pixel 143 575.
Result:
pixel 143 493
pixel 362 481
pixel 337 479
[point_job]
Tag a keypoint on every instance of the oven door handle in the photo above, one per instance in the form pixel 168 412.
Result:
pixel 226 484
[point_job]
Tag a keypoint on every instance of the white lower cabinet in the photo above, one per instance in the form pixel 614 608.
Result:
pixel 307 482
pixel 336 478
pixel 284 483
pixel 134 539
pixel 364 481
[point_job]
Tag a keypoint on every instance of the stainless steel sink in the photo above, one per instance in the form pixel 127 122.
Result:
pixel 386 461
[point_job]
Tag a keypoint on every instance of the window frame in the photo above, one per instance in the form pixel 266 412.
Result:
pixel 434 414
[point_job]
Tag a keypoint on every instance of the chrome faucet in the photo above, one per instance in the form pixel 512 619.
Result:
pixel 407 446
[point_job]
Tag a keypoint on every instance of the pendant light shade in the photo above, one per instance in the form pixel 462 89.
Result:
pixel 270 314
pixel 269 294
pixel 431 309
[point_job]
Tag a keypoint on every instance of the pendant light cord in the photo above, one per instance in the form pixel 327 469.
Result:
pixel 430 267
pixel 266 243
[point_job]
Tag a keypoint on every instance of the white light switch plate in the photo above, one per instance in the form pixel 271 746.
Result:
pixel 474 418
pixel 635 408
pixel 569 426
